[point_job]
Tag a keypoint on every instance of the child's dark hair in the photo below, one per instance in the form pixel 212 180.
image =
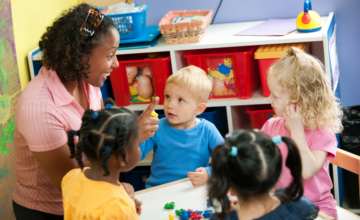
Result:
pixel 64 48
pixel 252 169
pixel 104 132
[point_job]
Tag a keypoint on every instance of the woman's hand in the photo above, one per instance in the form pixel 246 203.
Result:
pixel 148 124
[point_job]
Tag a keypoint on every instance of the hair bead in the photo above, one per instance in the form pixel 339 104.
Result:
pixel 277 139
pixel 233 151
pixel 73 132
pixel 95 115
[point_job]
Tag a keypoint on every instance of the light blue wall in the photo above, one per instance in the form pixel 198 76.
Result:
pixel 347 16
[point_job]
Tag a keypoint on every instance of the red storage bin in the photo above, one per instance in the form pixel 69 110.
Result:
pixel 259 114
pixel 268 55
pixel 138 79
pixel 264 65
pixel 234 71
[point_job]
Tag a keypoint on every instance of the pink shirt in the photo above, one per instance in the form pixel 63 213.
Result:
pixel 45 112
pixel 317 188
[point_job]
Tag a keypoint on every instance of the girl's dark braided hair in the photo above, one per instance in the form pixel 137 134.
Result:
pixel 64 48
pixel 103 133
pixel 254 170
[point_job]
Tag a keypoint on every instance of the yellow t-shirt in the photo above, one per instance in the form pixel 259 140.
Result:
pixel 94 200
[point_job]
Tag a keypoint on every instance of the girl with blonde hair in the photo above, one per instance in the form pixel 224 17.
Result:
pixel 310 114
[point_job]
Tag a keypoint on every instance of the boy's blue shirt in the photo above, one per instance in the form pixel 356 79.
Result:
pixel 177 152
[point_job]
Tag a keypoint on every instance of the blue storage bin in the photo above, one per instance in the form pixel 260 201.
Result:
pixel 137 178
pixel 130 25
pixel 106 90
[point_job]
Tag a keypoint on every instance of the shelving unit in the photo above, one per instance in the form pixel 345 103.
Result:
pixel 222 36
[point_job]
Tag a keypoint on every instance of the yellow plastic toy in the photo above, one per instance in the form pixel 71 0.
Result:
pixel 308 20
pixel 154 114
pixel 171 217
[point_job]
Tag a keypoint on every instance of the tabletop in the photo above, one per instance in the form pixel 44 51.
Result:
pixel 187 197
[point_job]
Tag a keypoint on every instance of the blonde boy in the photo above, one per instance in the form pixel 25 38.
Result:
pixel 183 142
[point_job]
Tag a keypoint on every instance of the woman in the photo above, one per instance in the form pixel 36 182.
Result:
pixel 79 53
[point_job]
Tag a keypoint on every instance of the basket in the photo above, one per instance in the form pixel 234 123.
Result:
pixel 130 25
pixel 185 32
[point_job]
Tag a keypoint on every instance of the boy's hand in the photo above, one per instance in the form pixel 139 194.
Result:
pixel 138 206
pixel 199 177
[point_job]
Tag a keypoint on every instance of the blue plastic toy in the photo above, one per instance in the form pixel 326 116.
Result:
pixel 184 215
pixel 208 203
pixel 207 213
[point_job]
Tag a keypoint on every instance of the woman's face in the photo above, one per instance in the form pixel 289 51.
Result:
pixel 103 59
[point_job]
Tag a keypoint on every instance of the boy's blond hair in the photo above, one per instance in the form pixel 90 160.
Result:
pixel 195 80
pixel 303 77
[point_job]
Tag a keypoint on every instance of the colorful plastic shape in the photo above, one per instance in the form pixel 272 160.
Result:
pixel 195 216
pixel 184 215
pixel 207 213
pixel 177 212
pixel 154 114
pixel 170 205
pixel 171 217
pixel 208 203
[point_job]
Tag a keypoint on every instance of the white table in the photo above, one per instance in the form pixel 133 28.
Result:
pixel 188 197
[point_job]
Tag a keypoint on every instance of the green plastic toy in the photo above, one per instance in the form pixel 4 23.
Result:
pixel 170 205
pixel 179 211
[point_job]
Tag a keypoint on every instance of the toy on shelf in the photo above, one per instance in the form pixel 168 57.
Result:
pixel 170 205
pixel 140 83
pixel 308 20
pixel 223 78
pixel 138 79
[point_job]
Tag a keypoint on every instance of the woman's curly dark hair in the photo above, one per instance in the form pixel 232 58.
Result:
pixel 64 48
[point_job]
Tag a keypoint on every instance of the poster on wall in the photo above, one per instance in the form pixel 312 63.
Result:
pixel 334 63
pixel 10 90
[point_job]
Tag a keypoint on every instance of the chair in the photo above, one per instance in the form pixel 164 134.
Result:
pixel 350 162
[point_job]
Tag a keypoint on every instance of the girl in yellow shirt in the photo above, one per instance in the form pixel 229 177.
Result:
pixel 109 139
